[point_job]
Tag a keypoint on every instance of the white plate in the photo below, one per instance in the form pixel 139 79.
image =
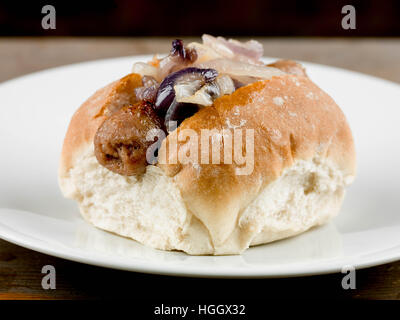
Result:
pixel 34 114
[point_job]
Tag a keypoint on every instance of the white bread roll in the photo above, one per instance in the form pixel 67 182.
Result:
pixel 303 158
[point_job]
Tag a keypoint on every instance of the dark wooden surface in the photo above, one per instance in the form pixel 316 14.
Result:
pixel 20 268
pixel 20 278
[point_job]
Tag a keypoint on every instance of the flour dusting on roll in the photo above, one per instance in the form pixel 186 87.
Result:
pixel 208 151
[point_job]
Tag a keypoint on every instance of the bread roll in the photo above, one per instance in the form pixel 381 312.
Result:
pixel 303 158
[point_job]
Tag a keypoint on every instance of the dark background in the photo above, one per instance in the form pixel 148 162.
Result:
pixel 193 18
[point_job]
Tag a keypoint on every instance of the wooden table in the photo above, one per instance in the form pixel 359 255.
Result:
pixel 20 269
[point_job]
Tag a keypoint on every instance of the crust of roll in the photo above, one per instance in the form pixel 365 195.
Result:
pixel 88 118
pixel 292 120
pixel 296 126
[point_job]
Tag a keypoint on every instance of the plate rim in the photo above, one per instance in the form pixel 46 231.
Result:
pixel 181 271
pixel 15 237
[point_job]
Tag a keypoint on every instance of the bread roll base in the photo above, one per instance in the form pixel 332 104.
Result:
pixel 151 210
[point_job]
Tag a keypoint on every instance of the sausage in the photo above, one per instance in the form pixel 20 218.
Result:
pixel 120 142
pixel 289 66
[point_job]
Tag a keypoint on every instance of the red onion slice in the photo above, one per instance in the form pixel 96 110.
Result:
pixel 236 68
pixel 165 99
pixel 249 52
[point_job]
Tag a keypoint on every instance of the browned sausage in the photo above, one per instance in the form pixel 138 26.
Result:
pixel 120 142
pixel 289 66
